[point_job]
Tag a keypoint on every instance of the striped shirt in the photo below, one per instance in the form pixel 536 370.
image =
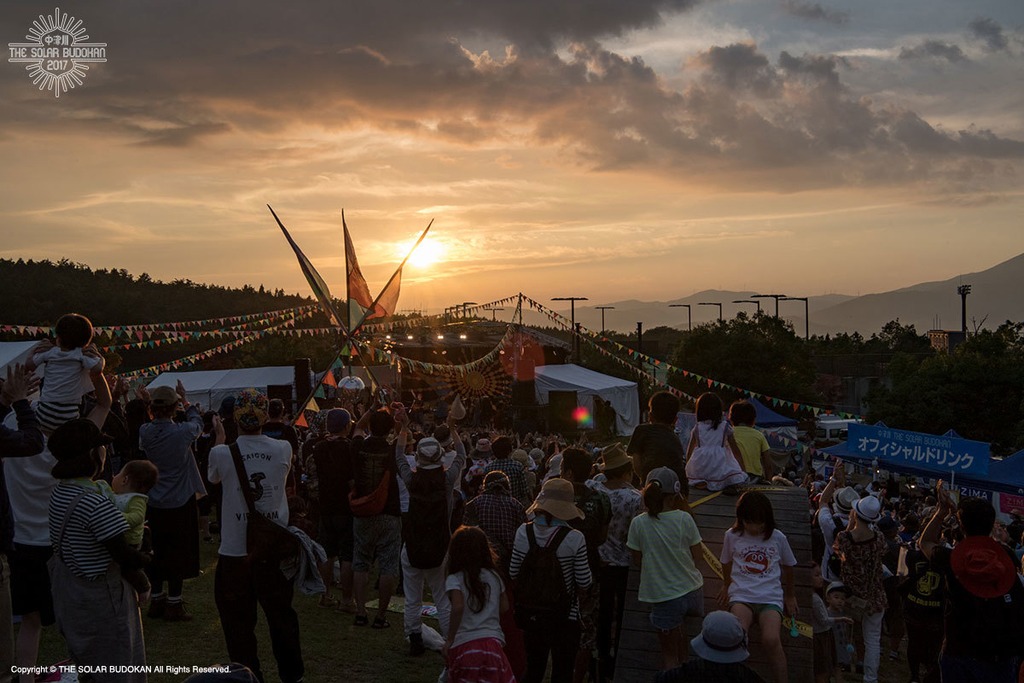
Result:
pixel 572 555
pixel 94 520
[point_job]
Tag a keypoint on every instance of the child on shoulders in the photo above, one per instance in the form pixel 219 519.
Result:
pixel 66 369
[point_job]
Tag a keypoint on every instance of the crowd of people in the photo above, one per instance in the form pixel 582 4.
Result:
pixel 524 542
pixel 905 571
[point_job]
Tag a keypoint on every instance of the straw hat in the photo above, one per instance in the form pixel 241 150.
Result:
pixel 869 509
pixel 845 498
pixel 614 457
pixel 558 499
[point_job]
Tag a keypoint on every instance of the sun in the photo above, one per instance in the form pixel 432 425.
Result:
pixel 428 253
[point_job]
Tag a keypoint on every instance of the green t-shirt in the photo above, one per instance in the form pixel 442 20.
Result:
pixel 752 444
pixel 668 570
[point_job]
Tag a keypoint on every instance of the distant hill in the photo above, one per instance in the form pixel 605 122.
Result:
pixel 995 297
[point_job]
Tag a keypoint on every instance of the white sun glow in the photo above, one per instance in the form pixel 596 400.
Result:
pixel 427 253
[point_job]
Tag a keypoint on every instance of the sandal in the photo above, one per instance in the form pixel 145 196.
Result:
pixel 326 602
pixel 381 622
pixel 361 620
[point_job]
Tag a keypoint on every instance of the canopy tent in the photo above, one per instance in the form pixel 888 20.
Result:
pixel 620 393
pixel 1004 476
pixel 209 387
pixel 768 418
pixel 779 430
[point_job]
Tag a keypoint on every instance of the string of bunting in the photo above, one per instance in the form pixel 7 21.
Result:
pixel 202 355
pixel 164 328
pixel 150 340
pixel 585 333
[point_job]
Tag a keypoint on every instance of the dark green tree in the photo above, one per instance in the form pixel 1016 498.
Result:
pixel 760 353
pixel 976 390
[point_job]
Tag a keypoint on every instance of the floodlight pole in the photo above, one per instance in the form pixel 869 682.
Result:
pixel 689 316
pixel 963 291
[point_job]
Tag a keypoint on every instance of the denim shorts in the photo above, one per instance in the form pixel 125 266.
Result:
pixel 670 614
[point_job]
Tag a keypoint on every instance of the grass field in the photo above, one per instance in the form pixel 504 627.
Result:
pixel 333 649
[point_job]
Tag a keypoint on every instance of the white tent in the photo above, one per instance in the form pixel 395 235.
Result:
pixel 209 387
pixel 620 393
pixel 14 352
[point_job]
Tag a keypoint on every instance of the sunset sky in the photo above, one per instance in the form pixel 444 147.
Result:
pixel 611 149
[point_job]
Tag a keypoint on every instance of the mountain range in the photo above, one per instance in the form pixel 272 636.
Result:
pixel 995 297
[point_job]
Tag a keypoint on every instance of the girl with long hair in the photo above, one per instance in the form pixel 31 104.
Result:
pixel 474 646
pixel 757 581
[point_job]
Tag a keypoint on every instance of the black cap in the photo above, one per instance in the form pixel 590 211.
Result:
pixel 76 437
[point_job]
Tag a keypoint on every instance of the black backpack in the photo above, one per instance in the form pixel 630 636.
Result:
pixel 542 598
pixel 427 528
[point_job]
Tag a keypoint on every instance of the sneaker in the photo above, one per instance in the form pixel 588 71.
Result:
pixel 416 645
pixel 157 607
pixel 176 611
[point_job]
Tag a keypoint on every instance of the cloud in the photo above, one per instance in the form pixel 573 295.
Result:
pixel 814 11
pixel 991 32
pixel 934 49
pixel 741 119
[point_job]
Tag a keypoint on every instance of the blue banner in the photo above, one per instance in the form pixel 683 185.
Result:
pixel 924 451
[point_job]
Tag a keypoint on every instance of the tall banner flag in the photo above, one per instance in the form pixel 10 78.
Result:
pixel 387 300
pixel 359 298
pixel 316 283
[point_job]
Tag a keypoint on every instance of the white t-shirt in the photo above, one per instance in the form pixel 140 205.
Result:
pixel 29 486
pixel 65 374
pixel 757 566
pixel 829 531
pixel 266 463
pixel 487 622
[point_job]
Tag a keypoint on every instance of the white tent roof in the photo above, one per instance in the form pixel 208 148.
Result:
pixel 620 393
pixel 209 387
pixel 14 352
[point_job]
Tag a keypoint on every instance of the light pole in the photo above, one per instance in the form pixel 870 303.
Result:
pixel 689 317
pixel 749 301
pixel 465 305
pixel 770 296
pixel 603 309
pixel 713 303
pixel 572 316
pixel 807 315
pixel 494 315
pixel 963 291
